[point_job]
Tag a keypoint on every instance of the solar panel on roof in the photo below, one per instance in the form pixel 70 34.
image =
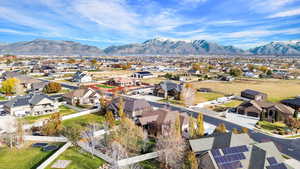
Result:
pixel 230 158
pixel 216 152
pixel 272 160
pixel 237 149
pixel 231 165
pixel 277 166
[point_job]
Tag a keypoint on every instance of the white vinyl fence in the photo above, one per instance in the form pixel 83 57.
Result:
pixel 45 138
pixel 136 159
pixel 54 156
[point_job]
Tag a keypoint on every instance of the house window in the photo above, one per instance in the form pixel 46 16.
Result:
pixel 271 113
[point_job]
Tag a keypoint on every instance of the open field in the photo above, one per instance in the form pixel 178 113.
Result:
pixel 276 89
pixel 24 158
pixel 64 110
pixel 154 80
pixel 83 120
pixel 79 160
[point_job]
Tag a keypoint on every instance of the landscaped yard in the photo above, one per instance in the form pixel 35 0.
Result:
pixel 232 103
pixel 83 120
pixel 150 164
pixel 79 160
pixel 277 127
pixel 24 158
pixel 64 110
pixel 276 89
pixel 105 86
pixel 204 97
pixel 2 98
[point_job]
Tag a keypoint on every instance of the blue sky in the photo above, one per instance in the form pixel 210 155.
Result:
pixel 242 23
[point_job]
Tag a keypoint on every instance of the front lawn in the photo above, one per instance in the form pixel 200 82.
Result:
pixel 2 98
pixel 204 97
pixel 84 120
pixel 64 110
pixel 232 103
pixel 277 127
pixel 79 160
pixel 150 164
pixel 105 86
pixel 24 158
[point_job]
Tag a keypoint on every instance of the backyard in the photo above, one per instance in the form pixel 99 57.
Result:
pixel 24 158
pixel 83 120
pixel 79 160
pixel 64 110
pixel 275 88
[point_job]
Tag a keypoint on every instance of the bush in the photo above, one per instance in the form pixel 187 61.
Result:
pixel 52 87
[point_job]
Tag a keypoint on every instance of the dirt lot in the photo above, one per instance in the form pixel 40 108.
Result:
pixel 276 89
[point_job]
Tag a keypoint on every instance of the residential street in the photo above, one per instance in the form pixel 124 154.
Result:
pixel 290 147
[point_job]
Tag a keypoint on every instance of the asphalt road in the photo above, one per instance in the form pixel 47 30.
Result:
pixel 290 147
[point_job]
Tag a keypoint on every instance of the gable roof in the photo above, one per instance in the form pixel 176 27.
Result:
pixel 30 99
pixel 79 93
pixel 219 141
pixel 132 104
pixel 252 92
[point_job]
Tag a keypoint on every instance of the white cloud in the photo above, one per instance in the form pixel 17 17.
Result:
pixel 189 32
pixel 268 5
pixel 113 14
pixel 21 18
pixel 292 12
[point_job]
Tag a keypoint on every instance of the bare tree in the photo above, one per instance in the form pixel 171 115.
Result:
pixel 188 95
pixel 171 150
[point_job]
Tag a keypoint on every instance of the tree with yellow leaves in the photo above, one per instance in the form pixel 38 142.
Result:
pixel 192 130
pixel 177 126
pixel 121 107
pixel 191 161
pixel 200 125
pixel 109 116
pixel 9 86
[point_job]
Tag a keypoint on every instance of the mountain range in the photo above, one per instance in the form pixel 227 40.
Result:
pixel 157 46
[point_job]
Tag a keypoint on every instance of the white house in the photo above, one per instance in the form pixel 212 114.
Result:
pixel 31 104
pixel 81 77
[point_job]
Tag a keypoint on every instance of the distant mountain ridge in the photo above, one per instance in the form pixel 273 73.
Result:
pixel 49 47
pixel 157 46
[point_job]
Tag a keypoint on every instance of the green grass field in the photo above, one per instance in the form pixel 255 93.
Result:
pixel 64 110
pixel 83 120
pixel 233 103
pixel 2 98
pixel 79 160
pixel 105 86
pixel 24 158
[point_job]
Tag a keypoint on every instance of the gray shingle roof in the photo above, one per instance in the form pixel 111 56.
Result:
pixel 30 99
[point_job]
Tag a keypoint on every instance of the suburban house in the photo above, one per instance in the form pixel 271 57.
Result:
pixel 123 82
pixel 81 77
pixel 82 96
pixel 294 103
pixel 167 87
pixel 266 110
pixel 232 151
pixel 25 81
pixel 38 86
pixel 31 104
pixel 142 75
pixel 253 95
pixel 132 107
pixel 161 120
pixel 217 141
